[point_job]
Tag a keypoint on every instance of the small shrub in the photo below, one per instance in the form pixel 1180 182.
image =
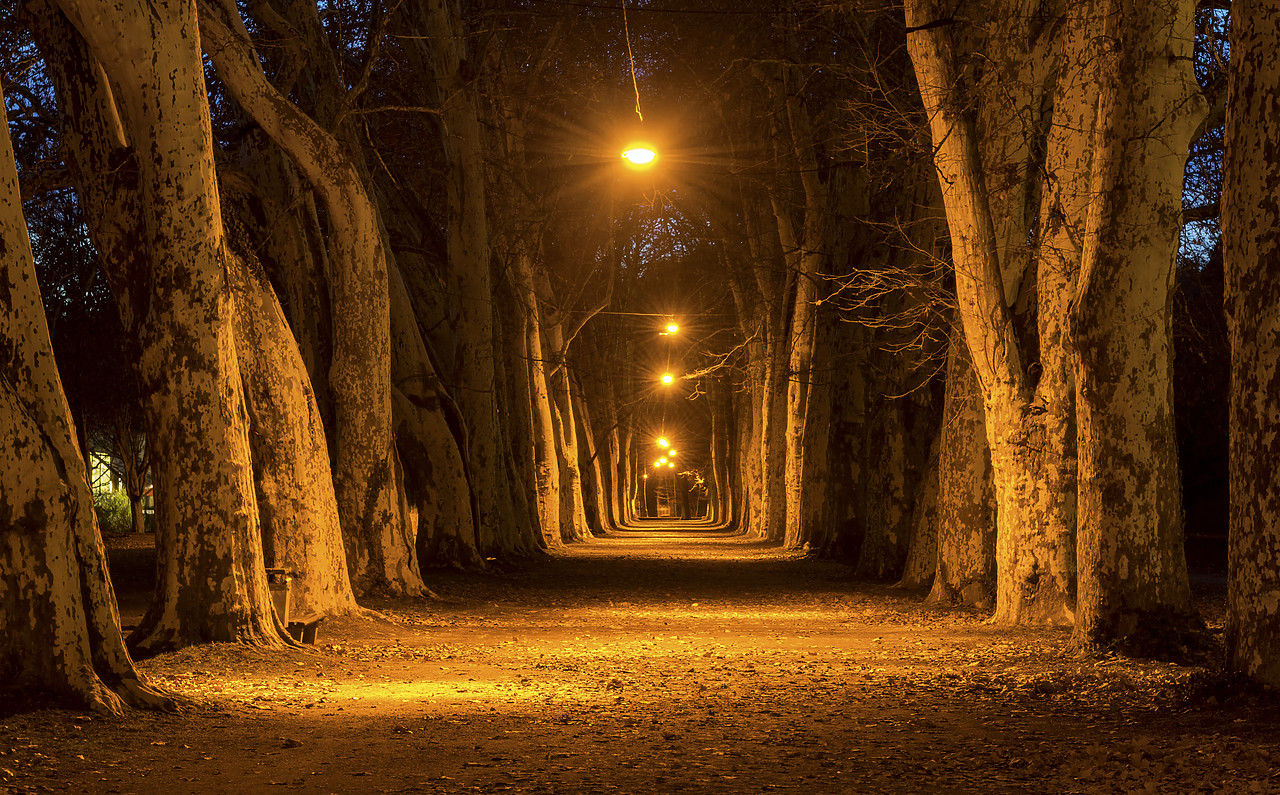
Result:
pixel 115 518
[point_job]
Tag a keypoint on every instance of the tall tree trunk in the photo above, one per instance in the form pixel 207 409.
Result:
pixel 573 514
pixel 888 517
pixel 1251 250
pixel 138 517
pixel 1033 582
pixel 846 455
pixel 296 503
pixel 431 449
pixel 212 582
pixel 521 427
pixel 623 476
pixel 546 465
pixel 288 240
pixel 757 434
pixel 469 278
pixel 1061 228
pixel 922 557
pixel 62 627
pixel 365 479
pixel 809 256
pixel 774 434
pixel 595 481
pixel 1133 584
pixel 966 570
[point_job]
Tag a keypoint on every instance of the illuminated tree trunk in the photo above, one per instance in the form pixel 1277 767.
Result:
pixel 294 490
pixel 1033 575
pixel 599 417
pixel 966 567
pixel 429 447
pixel 715 496
pixel 1063 204
pixel 807 256
pixel 573 512
pixel 366 479
pixel 212 583
pixel 623 477
pixel 613 464
pixel 1250 218
pixel 814 512
pixel 1132 566
pixel 296 503
pixel 469 280
pixel 922 557
pixel 546 464
pixel 774 283
pixel 573 518
pixel 513 325
pixel 594 477
pixel 61 625
pixel 289 242
pixel 759 406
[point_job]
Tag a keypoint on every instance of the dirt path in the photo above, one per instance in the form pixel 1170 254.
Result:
pixel 660 662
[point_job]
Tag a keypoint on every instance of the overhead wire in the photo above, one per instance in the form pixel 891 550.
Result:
pixel 626 32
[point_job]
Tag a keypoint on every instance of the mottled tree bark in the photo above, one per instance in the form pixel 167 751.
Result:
pixel 62 627
pixel 573 518
pixel 469 279
pixel 296 503
pixel 806 254
pixel 966 570
pixel 212 582
pixel 513 332
pixel 1133 586
pixel 290 245
pixel 546 464
pixel 922 557
pixel 366 482
pixel 1251 219
pixel 429 446
pixel 1033 583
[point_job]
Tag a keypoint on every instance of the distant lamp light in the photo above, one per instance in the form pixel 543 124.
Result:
pixel 668 379
pixel 645 476
pixel 673 328
pixel 639 155
pixel 671 453
pixel 672 465
pixel 657 464
pixel 662 442
pixel 663 460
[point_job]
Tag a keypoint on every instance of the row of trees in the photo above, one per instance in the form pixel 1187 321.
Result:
pixel 377 277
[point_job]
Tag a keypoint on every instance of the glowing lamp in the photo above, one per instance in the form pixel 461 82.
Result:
pixel 672 328
pixel 662 442
pixel 668 379
pixel 672 465
pixel 639 155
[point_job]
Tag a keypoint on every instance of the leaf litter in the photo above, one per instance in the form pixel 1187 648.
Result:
pixel 641 664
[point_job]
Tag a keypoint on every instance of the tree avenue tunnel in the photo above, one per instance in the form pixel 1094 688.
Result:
pixel 548 396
